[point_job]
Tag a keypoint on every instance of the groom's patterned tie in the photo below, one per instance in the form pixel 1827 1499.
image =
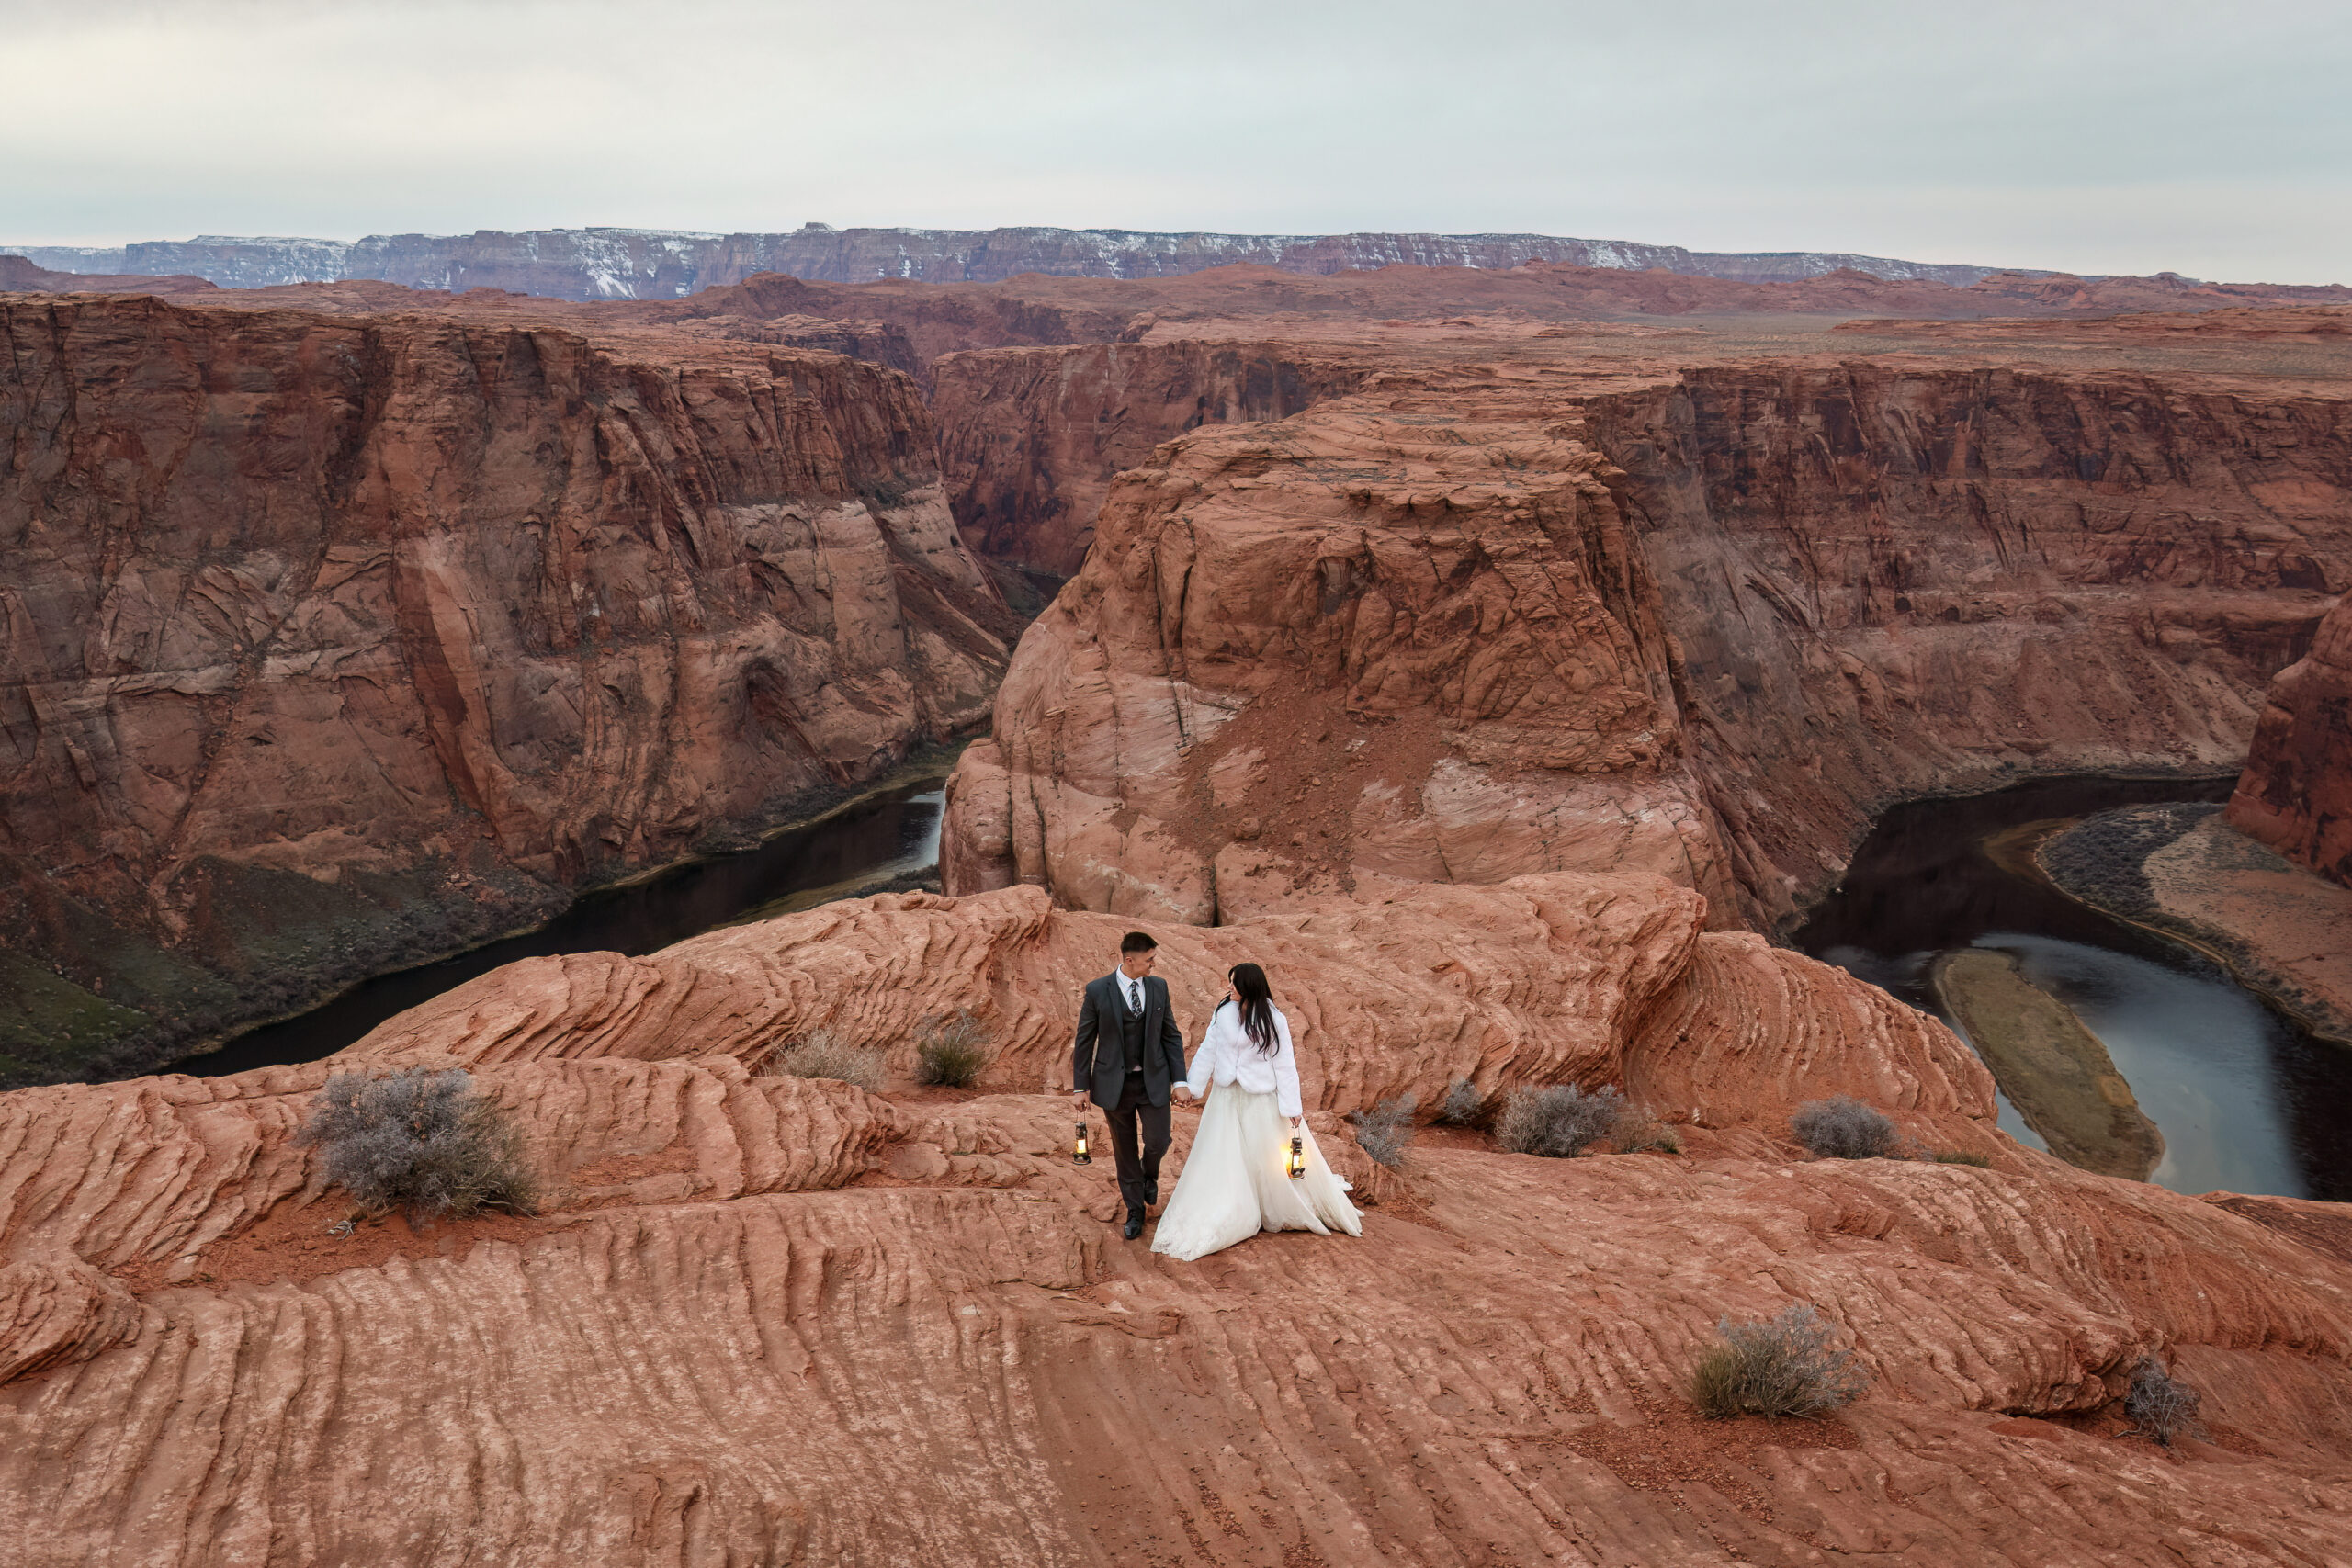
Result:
pixel 1135 997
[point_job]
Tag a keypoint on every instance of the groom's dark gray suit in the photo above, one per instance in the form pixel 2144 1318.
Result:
pixel 1126 1061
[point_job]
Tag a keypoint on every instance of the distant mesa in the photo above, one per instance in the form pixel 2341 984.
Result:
pixel 662 264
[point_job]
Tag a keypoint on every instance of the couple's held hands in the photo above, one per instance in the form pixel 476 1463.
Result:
pixel 1184 1088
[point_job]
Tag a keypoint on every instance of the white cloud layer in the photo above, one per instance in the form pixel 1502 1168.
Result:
pixel 2080 134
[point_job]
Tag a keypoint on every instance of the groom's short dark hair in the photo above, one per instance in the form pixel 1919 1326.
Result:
pixel 1136 941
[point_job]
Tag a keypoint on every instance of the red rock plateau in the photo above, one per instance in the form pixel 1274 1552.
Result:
pixel 332 640
pixel 772 1320
pixel 2296 793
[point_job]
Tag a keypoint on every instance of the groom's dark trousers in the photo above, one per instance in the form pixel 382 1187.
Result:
pixel 1126 1062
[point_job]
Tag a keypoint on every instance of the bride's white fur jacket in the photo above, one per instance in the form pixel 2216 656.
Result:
pixel 1227 1055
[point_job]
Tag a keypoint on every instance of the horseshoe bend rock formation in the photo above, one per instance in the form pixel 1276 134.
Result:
pixel 330 641
pixel 1530 609
pixel 761 1308
pixel 1372 643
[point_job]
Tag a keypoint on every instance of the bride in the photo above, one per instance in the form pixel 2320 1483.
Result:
pixel 1234 1184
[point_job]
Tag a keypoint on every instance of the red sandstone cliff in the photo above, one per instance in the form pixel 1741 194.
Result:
pixel 1761 600
pixel 1031 438
pixel 1890 580
pixel 2296 793
pixel 330 641
pixel 1406 638
pixel 759 1304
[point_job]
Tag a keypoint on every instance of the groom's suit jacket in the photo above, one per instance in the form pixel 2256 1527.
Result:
pixel 1098 1063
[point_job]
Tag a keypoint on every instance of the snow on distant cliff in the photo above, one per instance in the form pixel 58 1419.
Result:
pixel 657 263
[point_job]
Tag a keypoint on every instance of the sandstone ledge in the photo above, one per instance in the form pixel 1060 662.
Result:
pixel 779 1320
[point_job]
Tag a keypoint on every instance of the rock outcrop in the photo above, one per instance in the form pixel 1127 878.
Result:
pixel 1700 620
pixel 2296 793
pixel 761 1305
pixel 331 641
pixel 1401 640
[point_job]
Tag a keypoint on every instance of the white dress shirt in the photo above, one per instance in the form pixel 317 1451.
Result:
pixel 1228 1055
pixel 1130 990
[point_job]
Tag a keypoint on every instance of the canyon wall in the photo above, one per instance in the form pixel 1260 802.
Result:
pixel 1893 581
pixel 2296 792
pixel 1030 439
pixel 331 641
pixel 1704 626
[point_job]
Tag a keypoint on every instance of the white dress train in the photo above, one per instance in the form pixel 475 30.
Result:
pixel 1234 1183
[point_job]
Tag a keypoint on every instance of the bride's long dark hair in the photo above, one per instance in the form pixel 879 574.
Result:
pixel 1257 1006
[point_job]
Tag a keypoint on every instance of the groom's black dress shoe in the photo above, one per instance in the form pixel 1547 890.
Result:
pixel 1151 1194
pixel 1135 1224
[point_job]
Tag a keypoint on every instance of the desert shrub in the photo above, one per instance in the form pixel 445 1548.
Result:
pixel 1843 1128
pixel 818 1054
pixel 420 1141
pixel 1384 1129
pixel 1650 1137
pixel 1778 1366
pixel 1957 1156
pixel 951 1049
pixel 1462 1106
pixel 2159 1405
pixel 1558 1122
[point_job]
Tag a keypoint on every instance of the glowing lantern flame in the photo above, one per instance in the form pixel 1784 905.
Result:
pixel 1296 1163
pixel 1078 1153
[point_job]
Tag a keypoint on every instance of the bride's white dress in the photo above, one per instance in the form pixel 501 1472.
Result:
pixel 1234 1184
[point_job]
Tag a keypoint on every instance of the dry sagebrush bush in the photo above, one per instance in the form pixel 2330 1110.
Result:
pixel 1778 1366
pixel 422 1141
pixel 951 1050
pixel 2159 1405
pixel 1384 1129
pixel 1559 1122
pixel 818 1054
pixel 1462 1106
pixel 1843 1128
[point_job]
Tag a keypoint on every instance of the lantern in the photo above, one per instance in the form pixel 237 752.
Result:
pixel 1296 1163
pixel 1078 1151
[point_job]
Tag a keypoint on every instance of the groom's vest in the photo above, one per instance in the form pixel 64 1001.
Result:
pixel 1130 1031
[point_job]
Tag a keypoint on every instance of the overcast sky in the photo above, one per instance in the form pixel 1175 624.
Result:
pixel 2211 138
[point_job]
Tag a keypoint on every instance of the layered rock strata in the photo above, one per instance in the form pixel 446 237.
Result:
pixel 1889 581
pixel 1705 622
pixel 2296 792
pixel 1031 438
pixel 330 641
pixel 1380 642
pixel 760 1304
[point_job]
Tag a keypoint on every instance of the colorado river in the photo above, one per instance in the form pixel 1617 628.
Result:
pixel 881 838
pixel 2245 1098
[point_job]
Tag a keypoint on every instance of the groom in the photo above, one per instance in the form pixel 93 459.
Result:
pixel 1129 1052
